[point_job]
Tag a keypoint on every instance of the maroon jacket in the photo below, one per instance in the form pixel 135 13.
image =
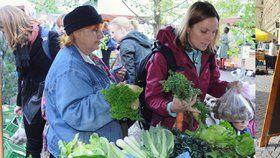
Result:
pixel 208 80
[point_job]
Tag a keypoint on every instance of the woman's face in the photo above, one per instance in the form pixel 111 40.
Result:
pixel 60 27
pixel 88 39
pixel 240 125
pixel 203 33
pixel 117 33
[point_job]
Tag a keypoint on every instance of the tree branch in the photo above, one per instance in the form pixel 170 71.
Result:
pixel 138 17
pixel 130 9
pixel 167 10
pixel 179 16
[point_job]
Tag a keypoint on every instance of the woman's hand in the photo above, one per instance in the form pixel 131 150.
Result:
pixel 18 111
pixel 237 84
pixel 182 106
pixel 121 74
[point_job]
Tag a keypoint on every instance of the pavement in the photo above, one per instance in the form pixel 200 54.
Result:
pixel 272 150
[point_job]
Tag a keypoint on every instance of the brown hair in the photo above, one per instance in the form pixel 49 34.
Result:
pixel 198 12
pixel 17 26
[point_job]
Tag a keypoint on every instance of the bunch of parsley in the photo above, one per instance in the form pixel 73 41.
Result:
pixel 183 89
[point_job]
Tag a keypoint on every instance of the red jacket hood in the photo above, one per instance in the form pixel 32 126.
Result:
pixel 166 36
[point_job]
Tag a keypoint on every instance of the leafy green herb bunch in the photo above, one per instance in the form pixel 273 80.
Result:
pixel 123 100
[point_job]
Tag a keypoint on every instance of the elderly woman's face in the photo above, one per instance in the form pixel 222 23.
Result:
pixel 88 38
pixel 203 33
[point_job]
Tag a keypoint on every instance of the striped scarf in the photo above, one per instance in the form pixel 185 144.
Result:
pixel 102 65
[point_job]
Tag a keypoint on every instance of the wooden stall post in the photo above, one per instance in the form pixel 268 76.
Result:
pixel 271 126
pixel 1 111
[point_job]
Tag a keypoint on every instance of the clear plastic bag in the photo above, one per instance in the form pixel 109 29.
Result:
pixel 19 137
pixel 233 106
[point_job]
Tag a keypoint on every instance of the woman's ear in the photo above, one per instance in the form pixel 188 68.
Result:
pixel 76 34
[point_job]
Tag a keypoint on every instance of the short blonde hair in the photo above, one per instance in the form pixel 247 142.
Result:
pixel 59 20
pixel 17 26
pixel 198 12
pixel 125 23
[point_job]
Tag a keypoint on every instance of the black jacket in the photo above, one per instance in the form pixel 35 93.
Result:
pixel 39 64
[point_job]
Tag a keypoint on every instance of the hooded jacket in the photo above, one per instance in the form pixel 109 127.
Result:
pixel 207 81
pixel 133 48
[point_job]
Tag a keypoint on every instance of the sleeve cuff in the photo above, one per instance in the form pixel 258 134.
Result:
pixel 168 108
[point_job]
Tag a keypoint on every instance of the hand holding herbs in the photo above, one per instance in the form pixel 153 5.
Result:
pixel 183 89
pixel 123 100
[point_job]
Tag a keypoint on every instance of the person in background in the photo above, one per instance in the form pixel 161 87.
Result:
pixel 272 51
pixel 107 45
pixel 193 48
pixel 134 45
pixel 223 48
pixel 59 24
pixel 32 64
pixel 74 102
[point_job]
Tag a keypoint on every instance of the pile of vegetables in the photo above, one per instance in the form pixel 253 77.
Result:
pixel 98 147
pixel 157 142
pixel 183 89
pixel 186 143
pixel 123 100
pixel 216 141
pixel 224 141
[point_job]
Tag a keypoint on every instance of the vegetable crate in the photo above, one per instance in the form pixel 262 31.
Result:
pixel 12 127
pixel 12 150
pixel 8 117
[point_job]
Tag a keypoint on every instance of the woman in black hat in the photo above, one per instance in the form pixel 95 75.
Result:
pixel 74 103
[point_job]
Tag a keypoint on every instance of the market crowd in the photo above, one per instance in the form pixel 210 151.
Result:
pixel 58 68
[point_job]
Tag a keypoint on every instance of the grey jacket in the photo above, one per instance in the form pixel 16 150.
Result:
pixel 133 48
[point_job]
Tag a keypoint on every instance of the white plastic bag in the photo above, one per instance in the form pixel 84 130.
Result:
pixel 19 136
pixel 233 106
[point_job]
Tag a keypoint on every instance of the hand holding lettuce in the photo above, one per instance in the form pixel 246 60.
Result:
pixel 123 100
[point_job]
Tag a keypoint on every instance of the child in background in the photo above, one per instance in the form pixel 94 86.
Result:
pixel 241 126
pixel 238 110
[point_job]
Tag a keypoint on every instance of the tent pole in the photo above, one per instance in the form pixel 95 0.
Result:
pixel 1 111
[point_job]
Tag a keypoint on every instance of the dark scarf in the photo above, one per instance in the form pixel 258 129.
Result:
pixel 22 53
pixel 22 58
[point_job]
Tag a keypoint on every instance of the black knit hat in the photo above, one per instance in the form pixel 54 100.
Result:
pixel 80 17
